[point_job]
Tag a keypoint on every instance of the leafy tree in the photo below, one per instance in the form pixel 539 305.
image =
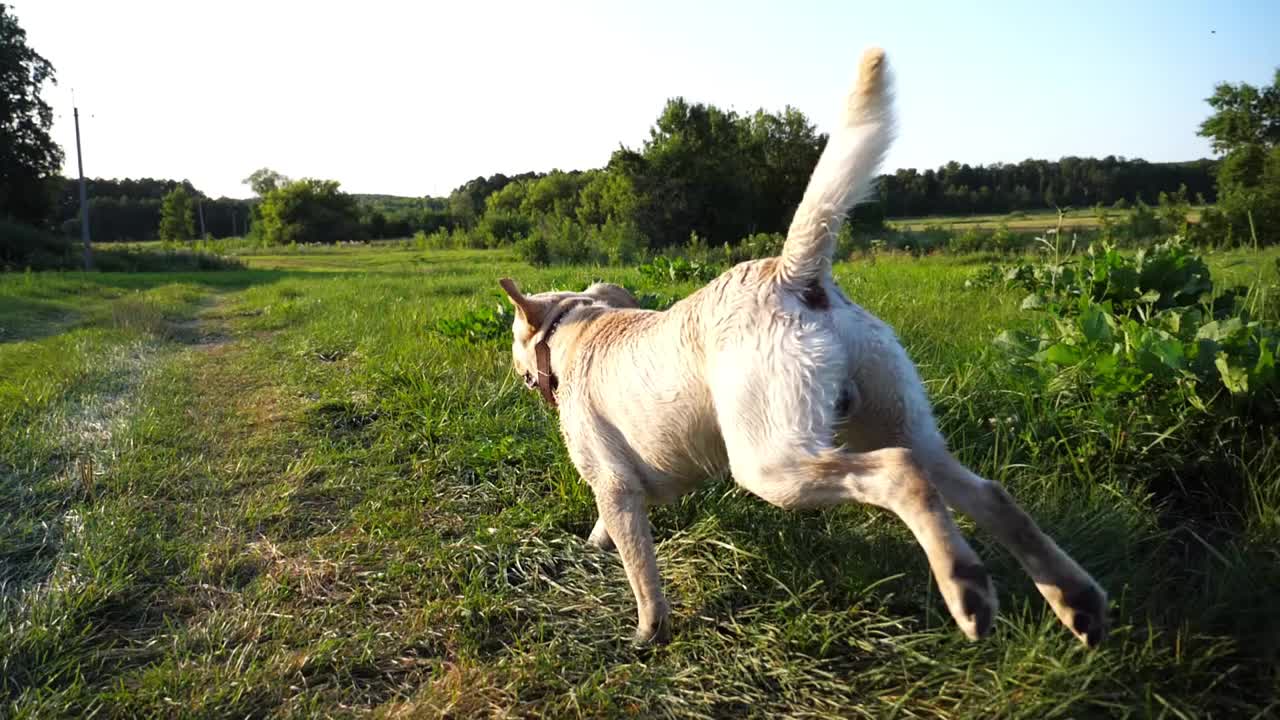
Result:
pixel 177 216
pixel 703 170
pixel 308 210
pixel 1243 115
pixel 784 148
pixel 28 155
pixel 723 176
pixel 1245 126
pixel 607 195
pixel 695 176
pixel 555 193
pixel 264 180
pixel 467 203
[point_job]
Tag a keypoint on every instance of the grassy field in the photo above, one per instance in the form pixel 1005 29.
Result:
pixel 1038 221
pixel 281 493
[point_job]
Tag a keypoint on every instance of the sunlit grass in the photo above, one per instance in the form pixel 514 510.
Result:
pixel 281 492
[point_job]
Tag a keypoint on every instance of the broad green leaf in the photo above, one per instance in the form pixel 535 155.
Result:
pixel 1061 354
pixel 1220 331
pixel 1170 353
pixel 1105 365
pixel 1234 377
pixel 1095 324
pixel 1264 371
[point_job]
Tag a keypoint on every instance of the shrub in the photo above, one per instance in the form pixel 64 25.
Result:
pixel 1172 212
pixel 123 259
pixel 679 269
pixel 533 250
pixel 1003 241
pixel 698 248
pixel 1164 276
pixel 503 228
pixel 307 211
pixel 652 301
pixel 757 246
pixel 491 323
pixel 25 246
pixel 1142 223
pixel 567 241
pixel 970 241
pixel 850 241
pixel 1144 350
pixel 621 243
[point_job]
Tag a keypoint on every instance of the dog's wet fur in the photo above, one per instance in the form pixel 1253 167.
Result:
pixel 771 373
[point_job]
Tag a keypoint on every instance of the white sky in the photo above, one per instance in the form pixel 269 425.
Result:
pixel 414 98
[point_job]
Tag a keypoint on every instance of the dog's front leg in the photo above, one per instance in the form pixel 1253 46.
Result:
pixel 626 521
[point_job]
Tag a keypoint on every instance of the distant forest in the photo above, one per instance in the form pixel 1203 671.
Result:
pixel 129 210
pixel 955 189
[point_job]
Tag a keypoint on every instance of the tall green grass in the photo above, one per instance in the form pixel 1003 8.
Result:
pixel 316 503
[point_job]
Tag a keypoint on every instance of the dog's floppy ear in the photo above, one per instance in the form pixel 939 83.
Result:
pixel 532 311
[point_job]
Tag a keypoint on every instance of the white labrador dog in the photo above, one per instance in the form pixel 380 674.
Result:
pixel 772 373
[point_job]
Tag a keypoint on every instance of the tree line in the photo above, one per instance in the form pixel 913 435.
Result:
pixel 703 175
pixel 131 210
pixel 956 189
pixel 735 206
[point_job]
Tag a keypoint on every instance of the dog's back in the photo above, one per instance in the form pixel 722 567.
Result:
pixel 662 370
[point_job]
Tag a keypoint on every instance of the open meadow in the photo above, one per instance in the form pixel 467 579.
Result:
pixel 314 487
pixel 1081 220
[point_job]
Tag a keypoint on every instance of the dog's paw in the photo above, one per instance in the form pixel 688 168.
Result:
pixel 972 600
pixel 599 538
pixel 655 632
pixel 1083 609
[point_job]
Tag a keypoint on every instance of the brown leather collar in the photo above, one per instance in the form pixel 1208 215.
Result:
pixel 547 380
pixel 548 383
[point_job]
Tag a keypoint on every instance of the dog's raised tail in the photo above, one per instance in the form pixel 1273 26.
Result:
pixel 844 173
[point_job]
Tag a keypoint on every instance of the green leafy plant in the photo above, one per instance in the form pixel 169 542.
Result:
pixel 1167 275
pixel 654 301
pixel 481 325
pixel 678 269
pixel 1155 372
pixel 1149 325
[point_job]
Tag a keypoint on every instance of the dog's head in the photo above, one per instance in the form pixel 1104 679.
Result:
pixel 535 314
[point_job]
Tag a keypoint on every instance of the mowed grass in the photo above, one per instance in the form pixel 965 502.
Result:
pixel 281 493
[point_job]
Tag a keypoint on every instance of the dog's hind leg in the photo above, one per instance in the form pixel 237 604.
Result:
pixel 890 478
pixel 777 417
pixel 1075 597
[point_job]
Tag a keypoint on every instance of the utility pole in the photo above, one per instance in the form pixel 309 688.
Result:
pixel 200 210
pixel 84 198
